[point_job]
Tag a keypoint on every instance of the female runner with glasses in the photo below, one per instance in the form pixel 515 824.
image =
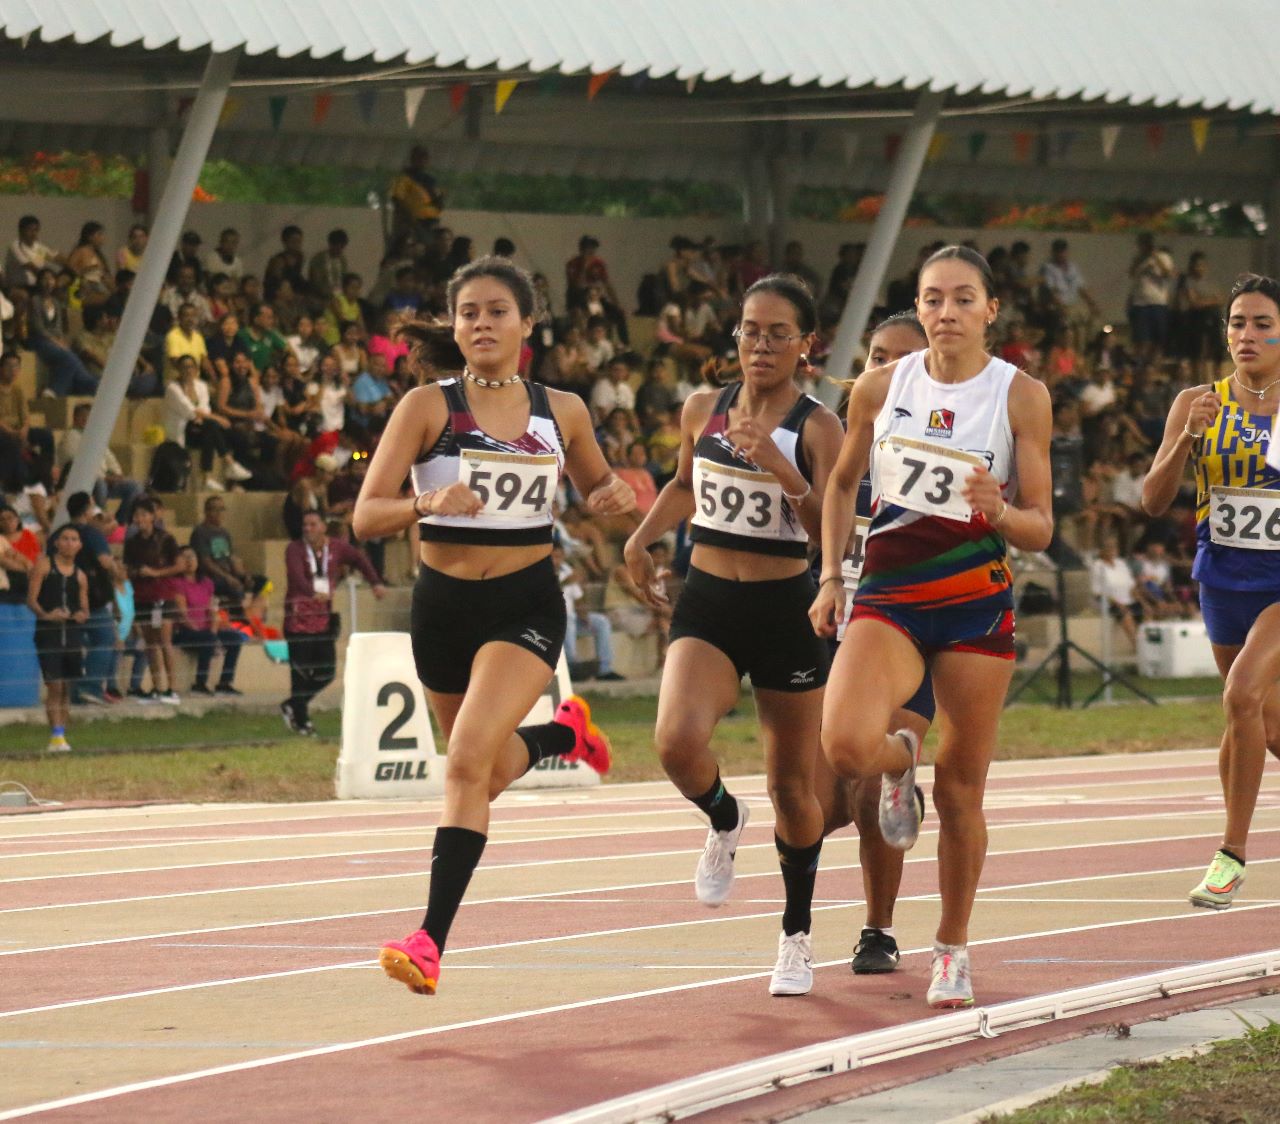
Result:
pixel 1228 431
pixel 485 453
pixel 754 459
pixel 952 436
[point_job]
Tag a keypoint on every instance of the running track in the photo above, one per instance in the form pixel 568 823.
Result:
pixel 216 962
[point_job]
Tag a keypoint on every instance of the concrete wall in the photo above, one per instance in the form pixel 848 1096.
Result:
pixel 632 246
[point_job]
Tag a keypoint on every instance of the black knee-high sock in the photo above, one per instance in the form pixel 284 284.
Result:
pixel 551 739
pixel 719 806
pixel 454 856
pixel 799 873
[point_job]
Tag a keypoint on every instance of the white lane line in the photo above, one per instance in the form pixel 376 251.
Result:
pixel 494 1020
pixel 338 880
pixel 597 934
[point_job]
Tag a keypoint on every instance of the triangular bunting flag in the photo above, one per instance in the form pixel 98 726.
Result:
pixel 275 106
pixel 230 108
pixel 320 108
pixel 413 96
pixel 1199 133
pixel 366 102
pixel 458 96
pixel 977 142
pixel 1155 136
pixel 596 83
pixel 849 143
pixel 1022 142
pixel 690 84
pixel 892 143
pixel 1110 134
pixel 937 146
pixel 502 93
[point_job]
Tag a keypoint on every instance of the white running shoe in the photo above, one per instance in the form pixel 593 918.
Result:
pixel 902 801
pixel 58 744
pixel 793 974
pixel 213 484
pixel 714 877
pixel 950 986
pixel 234 471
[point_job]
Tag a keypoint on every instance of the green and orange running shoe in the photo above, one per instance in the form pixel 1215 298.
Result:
pixel 1218 889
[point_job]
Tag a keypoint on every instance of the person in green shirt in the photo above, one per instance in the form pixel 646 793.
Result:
pixel 265 345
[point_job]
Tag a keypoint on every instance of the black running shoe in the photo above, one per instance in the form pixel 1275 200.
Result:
pixel 876 953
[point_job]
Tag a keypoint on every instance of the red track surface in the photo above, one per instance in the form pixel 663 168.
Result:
pixel 266 923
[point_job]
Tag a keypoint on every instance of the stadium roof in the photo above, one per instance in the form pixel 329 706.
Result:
pixel 1164 53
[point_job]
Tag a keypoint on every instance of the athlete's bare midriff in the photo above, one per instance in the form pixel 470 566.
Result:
pixel 474 563
pixel 743 565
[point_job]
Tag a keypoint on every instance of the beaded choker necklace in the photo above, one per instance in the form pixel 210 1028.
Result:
pixel 466 374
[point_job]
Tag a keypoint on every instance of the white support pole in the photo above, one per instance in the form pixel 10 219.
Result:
pixel 181 182
pixel 884 235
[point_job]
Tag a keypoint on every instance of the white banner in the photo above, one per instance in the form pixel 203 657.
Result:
pixel 388 743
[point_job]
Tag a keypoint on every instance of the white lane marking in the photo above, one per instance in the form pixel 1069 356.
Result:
pixel 493 1020
pixel 596 935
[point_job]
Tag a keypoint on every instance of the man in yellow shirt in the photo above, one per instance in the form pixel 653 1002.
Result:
pixel 417 199
pixel 184 339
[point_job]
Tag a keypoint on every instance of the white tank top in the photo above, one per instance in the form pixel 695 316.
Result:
pixel 969 418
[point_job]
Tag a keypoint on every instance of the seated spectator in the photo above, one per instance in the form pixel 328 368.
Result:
pixel 753 266
pixel 663 444
pixel 628 609
pixel 288 264
pixel 224 258
pixel 129 256
pixel 111 483
pixel 27 255
pixel 405 296
pixel 189 421
pixel 196 627
pixel 240 402
pixel 344 308
pixel 612 391
pixel 47 336
pixel 218 561
pixel 597 346
pixel 263 343
pixel 349 350
pixel 187 254
pixel 334 395
pixel 185 338
pixel 299 406
pixel 1114 583
pixel 18 553
pixel 310 493
pixel 289 305
pixel 307 345
pixel 290 445
pixel 1019 350
pixel 90 266
pixel 565 366
pixel 58 595
pixel 151 559
pixel 185 290
pixel 93 343
pixel 37 500
pixel 371 395
pixel 636 474
pixel 1154 588
pixel 793 262
pixel 222 297
pixel 384 342
pixel 673 331
pixel 600 627
pixel 328 268
pixel 616 436
pixel 583 542
pixel 22 445
pixel 223 346
pixel 657 394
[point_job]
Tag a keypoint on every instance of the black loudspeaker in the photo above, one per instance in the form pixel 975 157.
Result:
pixel 1066 464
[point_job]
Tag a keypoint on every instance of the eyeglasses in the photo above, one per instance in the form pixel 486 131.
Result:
pixel 773 341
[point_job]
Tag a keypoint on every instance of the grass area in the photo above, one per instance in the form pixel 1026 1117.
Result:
pixel 1233 1082
pixel 227 755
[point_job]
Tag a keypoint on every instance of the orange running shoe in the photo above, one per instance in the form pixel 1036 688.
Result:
pixel 590 744
pixel 414 961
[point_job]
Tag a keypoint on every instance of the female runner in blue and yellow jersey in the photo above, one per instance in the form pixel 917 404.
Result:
pixel 1227 429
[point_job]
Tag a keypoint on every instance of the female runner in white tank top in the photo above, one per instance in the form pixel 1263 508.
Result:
pixel 952 436
pixel 486 452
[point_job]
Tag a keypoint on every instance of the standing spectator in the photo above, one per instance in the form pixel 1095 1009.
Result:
pixel 263 343
pixel 21 443
pixel 111 482
pixel 129 256
pixel 416 198
pixel 327 268
pixel 288 263
pixel 187 254
pixel 58 595
pixel 793 262
pixel 1199 306
pixel 151 559
pixel 1152 272
pixel 1114 583
pixel 48 338
pixel 27 255
pixel 218 561
pixel 89 264
pixel 185 338
pixel 196 627
pixel 224 258
pixel 98 636
pixel 315 564
pixel 1069 303
pixel 612 391
pixel 189 421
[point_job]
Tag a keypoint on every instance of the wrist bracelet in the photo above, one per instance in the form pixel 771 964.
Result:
pixel 1004 510
pixel 418 500
pixel 836 578
pixel 801 497
pixel 1187 430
